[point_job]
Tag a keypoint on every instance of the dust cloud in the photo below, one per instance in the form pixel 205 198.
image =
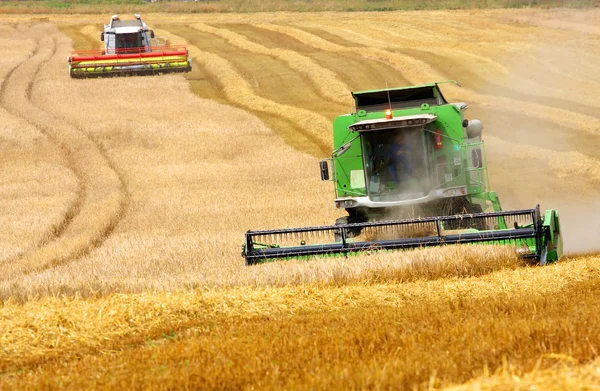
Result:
pixel 580 224
pixel 531 161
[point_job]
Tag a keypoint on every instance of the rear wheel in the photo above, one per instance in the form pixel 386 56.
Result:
pixel 480 223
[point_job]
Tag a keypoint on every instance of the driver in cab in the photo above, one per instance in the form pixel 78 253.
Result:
pixel 397 157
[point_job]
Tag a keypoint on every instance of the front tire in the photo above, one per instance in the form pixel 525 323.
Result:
pixel 353 218
pixel 462 206
pixel 338 233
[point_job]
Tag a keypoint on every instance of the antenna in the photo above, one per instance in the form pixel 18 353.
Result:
pixel 388 92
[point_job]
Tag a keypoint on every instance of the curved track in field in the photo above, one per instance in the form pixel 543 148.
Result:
pixel 15 97
pixel 30 146
pixel 21 108
pixel 100 186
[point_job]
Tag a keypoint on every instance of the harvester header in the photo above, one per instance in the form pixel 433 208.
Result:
pixel 409 170
pixel 129 48
pixel 530 235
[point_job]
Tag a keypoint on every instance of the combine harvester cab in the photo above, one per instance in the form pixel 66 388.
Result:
pixel 129 49
pixel 407 152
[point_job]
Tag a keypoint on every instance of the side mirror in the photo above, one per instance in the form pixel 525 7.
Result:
pixel 151 33
pixel 324 170
pixel 474 128
pixel 102 37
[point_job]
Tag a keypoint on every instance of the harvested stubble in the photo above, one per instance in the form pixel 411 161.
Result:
pixel 418 71
pixel 239 91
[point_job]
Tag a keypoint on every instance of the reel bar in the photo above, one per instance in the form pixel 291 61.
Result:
pixel 518 213
pixel 524 230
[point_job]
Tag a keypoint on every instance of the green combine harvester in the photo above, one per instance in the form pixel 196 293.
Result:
pixel 410 171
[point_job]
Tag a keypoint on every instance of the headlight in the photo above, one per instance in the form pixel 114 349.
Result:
pixel 455 192
pixel 345 203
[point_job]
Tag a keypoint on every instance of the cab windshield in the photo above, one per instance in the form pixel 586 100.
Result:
pixel 395 164
pixel 129 41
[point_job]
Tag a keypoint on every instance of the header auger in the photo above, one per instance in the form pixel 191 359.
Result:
pixel 130 48
pixel 407 152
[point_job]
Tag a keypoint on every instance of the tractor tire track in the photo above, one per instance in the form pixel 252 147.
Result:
pixel 74 208
pixel 55 230
pixel 79 232
pixel 105 159
pixel 8 104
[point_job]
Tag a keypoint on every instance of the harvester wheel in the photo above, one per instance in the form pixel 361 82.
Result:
pixel 463 206
pixel 350 233
pixel 477 223
pixel 338 233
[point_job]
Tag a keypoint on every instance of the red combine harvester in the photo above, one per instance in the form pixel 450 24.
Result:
pixel 130 48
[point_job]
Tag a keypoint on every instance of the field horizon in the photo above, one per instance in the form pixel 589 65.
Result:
pixel 254 6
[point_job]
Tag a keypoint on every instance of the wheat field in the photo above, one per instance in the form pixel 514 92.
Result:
pixel 124 203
